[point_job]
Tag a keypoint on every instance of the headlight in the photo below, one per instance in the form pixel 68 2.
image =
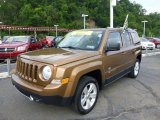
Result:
pixel 21 48
pixel 46 72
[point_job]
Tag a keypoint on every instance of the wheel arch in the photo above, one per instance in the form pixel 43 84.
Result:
pixel 139 57
pixel 93 69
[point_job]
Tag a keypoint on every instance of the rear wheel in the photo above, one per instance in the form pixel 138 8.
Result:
pixel 86 95
pixel 135 70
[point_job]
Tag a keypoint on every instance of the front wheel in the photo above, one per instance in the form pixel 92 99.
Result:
pixel 135 70
pixel 86 95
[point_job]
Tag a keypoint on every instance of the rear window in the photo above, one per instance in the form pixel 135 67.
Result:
pixel 135 37
pixel 126 38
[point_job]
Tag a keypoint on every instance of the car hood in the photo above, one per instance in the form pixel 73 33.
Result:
pixel 58 56
pixel 12 44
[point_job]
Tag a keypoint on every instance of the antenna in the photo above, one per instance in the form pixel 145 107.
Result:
pixel 125 25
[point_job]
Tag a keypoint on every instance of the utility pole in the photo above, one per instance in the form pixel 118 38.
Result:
pixel 84 20
pixel 112 4
pixel 1 31
pixel 144 27
pixel 56 29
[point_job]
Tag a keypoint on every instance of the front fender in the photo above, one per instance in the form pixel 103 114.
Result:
pixel 80 71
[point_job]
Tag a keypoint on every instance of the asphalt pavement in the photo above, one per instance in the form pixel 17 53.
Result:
pixel 126 99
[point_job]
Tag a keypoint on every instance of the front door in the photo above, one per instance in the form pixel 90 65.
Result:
pixel 113 60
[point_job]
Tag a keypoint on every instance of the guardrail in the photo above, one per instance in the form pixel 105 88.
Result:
pixel 31 28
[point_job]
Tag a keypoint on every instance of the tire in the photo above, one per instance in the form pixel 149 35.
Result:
pixel 158 46
pixel 86 98
pixel 135 70
pixel 2 61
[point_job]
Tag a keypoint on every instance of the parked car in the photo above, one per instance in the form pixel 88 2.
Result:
pixel 47 42
pixel 83 63
pixel 5 38
pixel 146 44
pixel 15 45
pixel 50 41
pixel 57 40
pixel 156 41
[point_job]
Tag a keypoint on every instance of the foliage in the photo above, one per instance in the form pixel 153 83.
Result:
pixel 67 14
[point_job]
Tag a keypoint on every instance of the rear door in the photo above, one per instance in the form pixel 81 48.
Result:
pixel 129 49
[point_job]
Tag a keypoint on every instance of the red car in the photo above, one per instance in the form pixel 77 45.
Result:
pixel 156 41
pixel 48 41
pixel 16 45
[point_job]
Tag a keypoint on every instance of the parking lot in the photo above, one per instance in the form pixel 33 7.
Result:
pixel 126 99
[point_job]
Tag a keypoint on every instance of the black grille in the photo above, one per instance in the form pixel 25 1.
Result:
pixel 7 49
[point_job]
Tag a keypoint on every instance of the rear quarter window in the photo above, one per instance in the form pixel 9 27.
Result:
pixel 126 38
pixel 135 37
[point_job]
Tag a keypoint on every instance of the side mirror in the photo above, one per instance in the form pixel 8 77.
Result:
pixel 113 47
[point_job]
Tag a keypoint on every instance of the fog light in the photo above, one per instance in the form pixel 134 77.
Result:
pixel 56 82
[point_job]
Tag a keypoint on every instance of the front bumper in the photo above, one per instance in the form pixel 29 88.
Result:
pixel 148 47
pixel 10 55
pixel 39 93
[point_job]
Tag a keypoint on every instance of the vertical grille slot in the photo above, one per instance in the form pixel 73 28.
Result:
pixel 23 70
pixel 20 68
pixel 30 75
pixel 17 67
pixel 26 71
pixel 35 72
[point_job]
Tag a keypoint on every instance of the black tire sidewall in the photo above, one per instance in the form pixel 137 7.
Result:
pixel 82 84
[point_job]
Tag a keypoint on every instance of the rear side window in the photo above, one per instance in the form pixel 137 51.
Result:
pixel 135 37
pixel 114 37
pixel 127 38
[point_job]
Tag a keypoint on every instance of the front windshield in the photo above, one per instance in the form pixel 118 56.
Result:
pixel 82 39
pixel 17 39
pixel 144 40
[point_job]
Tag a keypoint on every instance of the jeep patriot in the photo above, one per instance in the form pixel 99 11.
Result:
pixel 82 64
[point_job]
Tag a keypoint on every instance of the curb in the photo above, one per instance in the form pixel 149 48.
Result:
pixel 150 54
pixel 4 75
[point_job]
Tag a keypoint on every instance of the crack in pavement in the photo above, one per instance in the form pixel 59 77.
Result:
pixel 2 117
pixel 150 90
pixel 109 101
pixel 121 113
pixel 149 75
pixel 131 110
